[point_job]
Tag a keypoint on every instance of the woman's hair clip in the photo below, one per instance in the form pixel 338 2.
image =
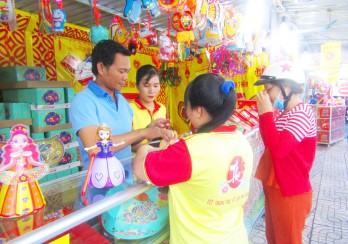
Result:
pixel 227 86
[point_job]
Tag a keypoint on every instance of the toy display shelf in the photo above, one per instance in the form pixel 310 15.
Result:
pixel 61 192
pixel 330 123
pixel 35 84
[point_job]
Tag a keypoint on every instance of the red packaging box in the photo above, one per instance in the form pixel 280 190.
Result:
pixel 324 112
pixel 246 104
pixel 323 124
pixel 323 136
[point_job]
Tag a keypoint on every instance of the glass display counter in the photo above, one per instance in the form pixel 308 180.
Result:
pixel 66 214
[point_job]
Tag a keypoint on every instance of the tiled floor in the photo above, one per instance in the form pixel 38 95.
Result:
pixel 328 220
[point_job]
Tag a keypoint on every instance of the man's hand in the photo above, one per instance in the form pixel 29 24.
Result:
pixel 155 132
pixel 160 122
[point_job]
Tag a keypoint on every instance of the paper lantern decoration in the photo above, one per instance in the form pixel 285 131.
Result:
pixel 133 9
pixel 83 71
pixel 171 5
pixel 166 48
pixel 133 44
pixel 117 31
pixel 98 32
pixel 45 17
pixel 182 21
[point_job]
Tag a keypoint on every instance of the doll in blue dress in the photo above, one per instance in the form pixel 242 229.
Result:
pixel 107 170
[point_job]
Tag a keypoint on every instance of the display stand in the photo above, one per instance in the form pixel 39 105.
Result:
pixel 65 193
pixel 47 100
pixel 330 123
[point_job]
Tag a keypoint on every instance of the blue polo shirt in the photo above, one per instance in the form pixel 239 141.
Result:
pixel 94 106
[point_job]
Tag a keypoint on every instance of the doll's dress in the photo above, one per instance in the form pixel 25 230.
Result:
pixel 20 192
pixel 107 170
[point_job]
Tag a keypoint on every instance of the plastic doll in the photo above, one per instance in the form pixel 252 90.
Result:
pixel 19 172
pixel 106 170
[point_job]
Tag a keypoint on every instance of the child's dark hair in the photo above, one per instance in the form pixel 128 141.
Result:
pixel 105 51
pixel 147 71
pixel 216 95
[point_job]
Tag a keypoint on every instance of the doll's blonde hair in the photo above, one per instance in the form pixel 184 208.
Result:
pixel 105 128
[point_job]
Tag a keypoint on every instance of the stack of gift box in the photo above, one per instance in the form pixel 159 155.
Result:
pixel 27 98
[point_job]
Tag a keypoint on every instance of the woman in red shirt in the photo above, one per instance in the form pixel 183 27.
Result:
pixel 289 135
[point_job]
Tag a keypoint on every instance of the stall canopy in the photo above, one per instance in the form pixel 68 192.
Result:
pixel 317 21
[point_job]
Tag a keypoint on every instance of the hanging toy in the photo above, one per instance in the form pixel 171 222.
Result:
pixel 45 17
pixel 169 6
pixel 98 32
pixel 147 36
pixel 20 171
pixel 134 15
pixel 182 23
pixel 155 11
pixel 117 31
pixel 104 169
pixel 133 44
pixel 166 48
pixel 83 72
pixel 59 17
pixel 7 13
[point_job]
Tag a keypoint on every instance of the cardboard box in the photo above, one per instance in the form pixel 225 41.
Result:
pixel 2 111
pixel 323 136
pixel 22 73
pixel 48 117
pixel 15 111
pixel 37 136
pixel 35 96
pixel 67 114
pixel 70 155
pixel 246 104
pixel 66 135
pixel 5 134
pixel 324 112
pixel 69 94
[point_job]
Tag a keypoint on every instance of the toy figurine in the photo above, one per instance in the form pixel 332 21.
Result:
pixel 19 172
pixel 104 170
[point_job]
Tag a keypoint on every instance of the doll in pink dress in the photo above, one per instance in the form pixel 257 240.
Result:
pixel 19 172
pixel 107 170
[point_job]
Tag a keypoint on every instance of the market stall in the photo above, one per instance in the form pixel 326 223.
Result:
pixel 67 213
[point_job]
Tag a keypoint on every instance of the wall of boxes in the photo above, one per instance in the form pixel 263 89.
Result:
pixel 27 98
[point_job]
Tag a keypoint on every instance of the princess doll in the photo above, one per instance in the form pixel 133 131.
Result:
pixel 106 170
pixel 19 172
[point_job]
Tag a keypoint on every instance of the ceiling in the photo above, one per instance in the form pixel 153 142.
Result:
pixel 317 21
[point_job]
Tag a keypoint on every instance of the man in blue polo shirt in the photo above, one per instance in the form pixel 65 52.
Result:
pixel 102 102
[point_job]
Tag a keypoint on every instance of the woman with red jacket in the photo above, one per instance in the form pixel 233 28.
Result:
pixel 289 135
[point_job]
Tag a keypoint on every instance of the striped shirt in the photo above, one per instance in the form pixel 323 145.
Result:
pixel 299 121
